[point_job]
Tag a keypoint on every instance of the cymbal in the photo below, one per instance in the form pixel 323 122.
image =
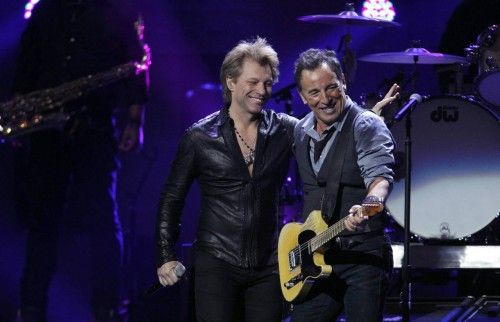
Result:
pixel 412 56
pixel 350 18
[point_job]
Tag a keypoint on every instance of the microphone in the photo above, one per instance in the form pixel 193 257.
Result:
pixel 414 100
pixel 179 271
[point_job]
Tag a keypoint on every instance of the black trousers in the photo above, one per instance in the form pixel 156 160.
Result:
pixel 87 165
pixel 224 292
pixel 358 283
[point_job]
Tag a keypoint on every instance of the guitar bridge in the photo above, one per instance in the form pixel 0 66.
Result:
pixel 293 281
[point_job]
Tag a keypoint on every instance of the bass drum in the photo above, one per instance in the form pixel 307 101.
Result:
pixel 455 188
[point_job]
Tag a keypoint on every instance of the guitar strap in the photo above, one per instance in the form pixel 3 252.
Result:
pixel 335 163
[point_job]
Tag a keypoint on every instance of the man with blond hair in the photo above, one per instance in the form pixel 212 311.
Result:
pixel 239 155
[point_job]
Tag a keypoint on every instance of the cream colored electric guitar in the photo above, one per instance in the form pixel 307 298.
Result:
pixel 301 255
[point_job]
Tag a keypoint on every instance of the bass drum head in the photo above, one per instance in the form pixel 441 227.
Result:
pixel 455 188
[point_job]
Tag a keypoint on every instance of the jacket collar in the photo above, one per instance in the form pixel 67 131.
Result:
pixel 264 118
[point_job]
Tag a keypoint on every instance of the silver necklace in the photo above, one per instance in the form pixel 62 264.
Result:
pixel 249 157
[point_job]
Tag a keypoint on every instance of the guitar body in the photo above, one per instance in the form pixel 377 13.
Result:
pixel 299 271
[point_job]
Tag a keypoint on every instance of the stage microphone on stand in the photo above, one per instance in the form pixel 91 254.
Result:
pixel 410 105
pixel 414 100
pixel 179 271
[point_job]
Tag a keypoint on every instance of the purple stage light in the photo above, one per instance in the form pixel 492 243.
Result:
pixel 28 8
pixel 380 9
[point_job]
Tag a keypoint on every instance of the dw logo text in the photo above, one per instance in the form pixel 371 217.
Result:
pixel 445 113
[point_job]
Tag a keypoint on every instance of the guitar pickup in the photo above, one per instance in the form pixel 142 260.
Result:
pixel 294 259
pixel 293 281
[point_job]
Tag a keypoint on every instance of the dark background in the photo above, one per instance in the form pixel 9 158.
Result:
pixel 189 39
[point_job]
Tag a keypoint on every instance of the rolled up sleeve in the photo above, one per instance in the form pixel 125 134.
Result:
pixel 374 146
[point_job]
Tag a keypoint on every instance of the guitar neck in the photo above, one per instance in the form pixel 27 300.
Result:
pixel 368 209
pixel 321 239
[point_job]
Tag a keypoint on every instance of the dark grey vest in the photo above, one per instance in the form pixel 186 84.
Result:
pixel 338 185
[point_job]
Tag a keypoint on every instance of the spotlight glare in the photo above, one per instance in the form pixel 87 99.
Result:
pixel 380 9
pixel 28 8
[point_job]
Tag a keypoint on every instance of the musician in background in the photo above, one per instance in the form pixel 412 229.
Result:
pixel 344 154
pixel 72 172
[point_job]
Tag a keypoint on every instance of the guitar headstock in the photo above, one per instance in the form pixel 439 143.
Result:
pixel 372 205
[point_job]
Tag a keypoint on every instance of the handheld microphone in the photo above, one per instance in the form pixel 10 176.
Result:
pixel 179 271
pixel 414 100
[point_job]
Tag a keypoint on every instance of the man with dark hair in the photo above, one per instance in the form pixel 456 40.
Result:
pixel 344 154
pixel 239 155
pixel 66 40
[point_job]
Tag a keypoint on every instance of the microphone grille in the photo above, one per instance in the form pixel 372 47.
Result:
pixel 179 270
pixel 416 97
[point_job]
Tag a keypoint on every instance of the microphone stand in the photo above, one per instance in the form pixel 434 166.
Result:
pixel 406 267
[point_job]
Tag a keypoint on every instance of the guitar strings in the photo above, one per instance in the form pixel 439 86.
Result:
pixel 305 245
pixel 337 226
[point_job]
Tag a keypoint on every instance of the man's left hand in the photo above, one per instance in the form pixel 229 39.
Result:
pixel 356 219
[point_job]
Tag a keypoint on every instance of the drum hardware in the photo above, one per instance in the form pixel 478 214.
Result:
pixel 370 99
pixel 285 95
pixel 456 86
pixel 348 18
pixel 349 63
pixel 416 55
pixel 486 53
pixel 413 55
pixel 398 78
pixel 485 49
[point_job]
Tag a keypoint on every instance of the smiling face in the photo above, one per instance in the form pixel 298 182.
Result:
pixel 251 90
pixel 324 93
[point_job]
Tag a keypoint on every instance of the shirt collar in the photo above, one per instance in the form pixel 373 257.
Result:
pixel 310 121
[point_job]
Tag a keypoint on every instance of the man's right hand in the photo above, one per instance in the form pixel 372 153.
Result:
pixel 166 274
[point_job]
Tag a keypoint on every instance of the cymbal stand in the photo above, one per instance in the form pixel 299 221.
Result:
pixel 349 62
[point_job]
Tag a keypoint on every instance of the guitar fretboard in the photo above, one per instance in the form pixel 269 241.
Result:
pixel 319 240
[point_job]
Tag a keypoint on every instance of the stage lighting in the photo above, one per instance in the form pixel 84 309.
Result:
pixel 380 9
pixel 28 8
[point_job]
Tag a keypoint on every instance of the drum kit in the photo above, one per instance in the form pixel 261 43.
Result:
pixel 456 141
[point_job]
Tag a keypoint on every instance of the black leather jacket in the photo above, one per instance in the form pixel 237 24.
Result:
pixel 239 213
